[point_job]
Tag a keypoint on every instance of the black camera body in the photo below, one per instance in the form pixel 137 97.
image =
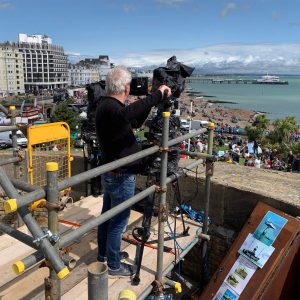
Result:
pixel 173 75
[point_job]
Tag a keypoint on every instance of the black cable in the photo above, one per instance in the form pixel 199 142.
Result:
pixel 197 183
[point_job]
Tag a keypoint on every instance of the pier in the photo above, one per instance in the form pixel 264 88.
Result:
pixel 215 80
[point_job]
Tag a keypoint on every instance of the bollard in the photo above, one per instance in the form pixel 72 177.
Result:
pixel 97 281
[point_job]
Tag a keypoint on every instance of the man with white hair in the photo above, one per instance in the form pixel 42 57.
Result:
pixel 114 124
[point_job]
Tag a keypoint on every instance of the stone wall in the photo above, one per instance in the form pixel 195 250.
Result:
pixel 235 190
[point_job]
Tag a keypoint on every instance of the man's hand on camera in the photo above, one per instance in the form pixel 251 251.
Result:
pixel 164 88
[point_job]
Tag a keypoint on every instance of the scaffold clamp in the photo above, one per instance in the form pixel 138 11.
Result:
pixel 54 238
pixel 163 149
pixel 158 287
pixel 159 189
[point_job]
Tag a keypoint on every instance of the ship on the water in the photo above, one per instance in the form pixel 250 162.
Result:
pixel 269 79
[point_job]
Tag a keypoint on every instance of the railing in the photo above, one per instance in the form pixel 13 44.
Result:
pixel 48 244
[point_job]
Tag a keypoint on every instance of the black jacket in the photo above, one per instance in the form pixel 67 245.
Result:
pixel 114 124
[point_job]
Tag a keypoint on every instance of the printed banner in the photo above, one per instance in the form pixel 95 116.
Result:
pixel 256 251
pixel 225 293
pixel 269 228
pixel 240 274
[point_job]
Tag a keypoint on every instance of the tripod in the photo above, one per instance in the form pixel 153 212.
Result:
pixel 142 234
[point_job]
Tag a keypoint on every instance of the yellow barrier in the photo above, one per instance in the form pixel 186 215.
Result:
pixel 48 143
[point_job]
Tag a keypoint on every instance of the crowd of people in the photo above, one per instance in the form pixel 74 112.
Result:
pixel 260 157
pixel 241 151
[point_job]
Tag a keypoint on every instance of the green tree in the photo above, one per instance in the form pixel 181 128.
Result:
pixel 254 133
pixel 63 113
pixel 282 129
pixel 295 147
pixel 261 121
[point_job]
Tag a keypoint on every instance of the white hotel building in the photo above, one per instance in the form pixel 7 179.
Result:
pixel 45 64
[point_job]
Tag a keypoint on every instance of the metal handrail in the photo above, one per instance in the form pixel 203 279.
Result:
pixel 51 191
pixel 87 175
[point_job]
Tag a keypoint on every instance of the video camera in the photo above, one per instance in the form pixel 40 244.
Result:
pixel 173 75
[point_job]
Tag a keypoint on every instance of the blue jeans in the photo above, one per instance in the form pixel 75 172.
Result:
pixel 117 189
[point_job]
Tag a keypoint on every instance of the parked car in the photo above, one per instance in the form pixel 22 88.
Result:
pixel 7 137
pixel 3 144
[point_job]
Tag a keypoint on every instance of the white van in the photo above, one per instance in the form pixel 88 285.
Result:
pixel 6 137
pixel 197 124
pixel 184 124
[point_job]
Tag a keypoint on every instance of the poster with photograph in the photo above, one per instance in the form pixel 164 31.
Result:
pixel 240 274
pixel 225 293
pixel 256 251
pixel 269 228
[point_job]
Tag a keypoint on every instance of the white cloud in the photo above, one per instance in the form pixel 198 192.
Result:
pixel 71 53
pixel 228 8
pixel 4 4
pixel 171 2
pixel 243 58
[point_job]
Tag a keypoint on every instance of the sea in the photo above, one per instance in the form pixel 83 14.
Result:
pixel 277 101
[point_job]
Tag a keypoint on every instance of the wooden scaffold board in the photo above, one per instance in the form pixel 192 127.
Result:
pixel 30 284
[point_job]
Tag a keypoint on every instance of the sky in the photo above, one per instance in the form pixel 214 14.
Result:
pixel 243 36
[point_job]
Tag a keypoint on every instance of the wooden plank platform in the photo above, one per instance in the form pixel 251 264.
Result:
pixel 80 291
pixel 30 284
pixel 11 250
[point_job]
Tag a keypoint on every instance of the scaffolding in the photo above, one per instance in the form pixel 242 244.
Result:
pixel 48 243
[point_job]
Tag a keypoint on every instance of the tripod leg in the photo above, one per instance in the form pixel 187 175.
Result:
pixel 148 212
pixel 178 198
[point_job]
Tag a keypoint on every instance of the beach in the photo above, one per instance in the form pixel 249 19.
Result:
pixel 214 111
pixel 276 101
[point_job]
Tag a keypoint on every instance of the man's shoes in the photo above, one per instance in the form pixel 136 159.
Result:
pixel 124 271
pixel 123 255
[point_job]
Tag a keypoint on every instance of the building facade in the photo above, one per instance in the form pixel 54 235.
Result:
pixel 11 70
pixel 45 64
pixel 102 64
pixel 89 70
pixel 81 75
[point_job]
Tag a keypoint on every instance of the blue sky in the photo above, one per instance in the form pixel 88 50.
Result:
pixel 237 35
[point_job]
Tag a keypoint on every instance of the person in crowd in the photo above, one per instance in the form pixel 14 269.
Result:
pixel 249 162
pixel 199 146
pixel 257 162
pixel 290 161
pixel 235 156
pixel 114 128
pixel 276 165
pixel 255 148
pixel 273 155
